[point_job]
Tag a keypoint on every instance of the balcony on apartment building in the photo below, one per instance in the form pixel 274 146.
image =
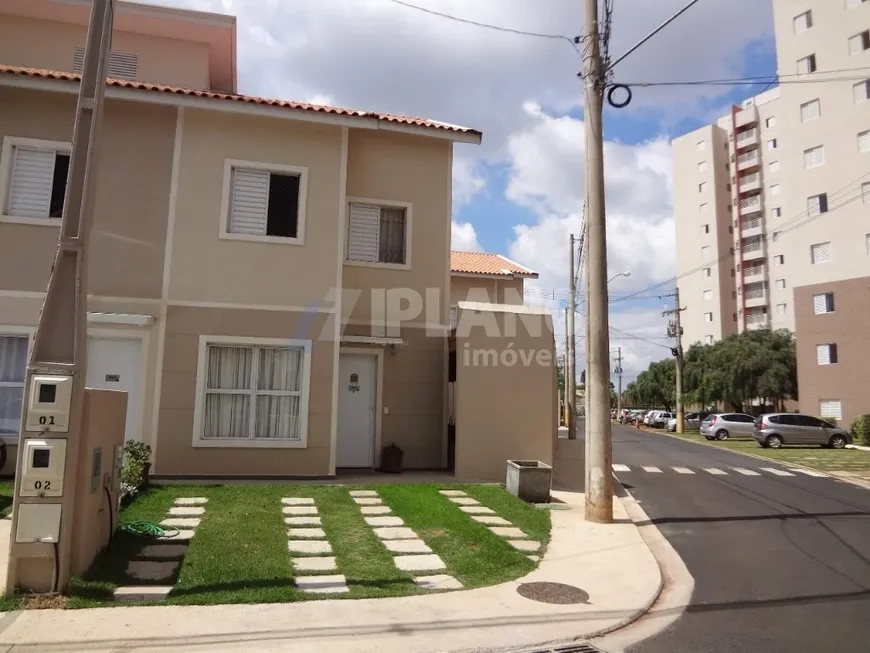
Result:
pixel 754 273
pixel 756 318
pixel 755 294
pixel 752 248
pixel 747 138
pixel 747 116
pixel 751 206
pixel 751 227
pixel 748 160
pixel 750 182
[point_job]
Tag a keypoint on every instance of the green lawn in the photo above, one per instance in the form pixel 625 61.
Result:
pixel 6 490
pixel 239 553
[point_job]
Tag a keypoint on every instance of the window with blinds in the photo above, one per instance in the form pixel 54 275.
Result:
pixel 774 189
pixel 826 354
pixel 861 91
pixel 817 204
pixel 708 272
pixel 708 317
pixel 774 166
pixel 864 142
pixel 264 203
pixel 702 145
pixel 702 186
pixel 832 409
pixel 865 192
pixel 820 253
pixel 771 144
pixel 708 295
pixel 702 166
pixel 814 157
pixel 377 234
pixel 859 42
pixel 851 4
pixel 705 252
pixel 37 182
pixel 776 212
pixel 708 340
pixel 803 22
pixel 122 65
pixel 811 110
pixel 823 303
pixel 806 65
pixel 703 208
pixel 780 309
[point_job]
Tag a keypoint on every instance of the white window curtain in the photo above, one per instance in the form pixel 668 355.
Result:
pixel 279 389
pixel 228 397
pixel 13 369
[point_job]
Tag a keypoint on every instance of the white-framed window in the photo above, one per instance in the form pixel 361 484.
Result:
pixel 831 408
pixel 803 22
pixel 814 157
pixel 703 208
pixel 806 65
pixel 705 229
pixel 811 110
pixel 252 392
pixel 264 202
pixel 774 166
pixel 826 354
pixel 779 259
pixel 705 252
pixel 708 317
pixel 122 65
pixel 33 179
pixel 13 371
pixel 820 253
pixel 378 233
pixel 864 142
pixel 702 145
pixel 817 204
pixel 702 166
pixel 708 272
pixel 780 309
pixel 865 192
pixel 770 122
pixel 771 144
pixel 702 186
pixel 861 91
pixel 774 189
pixel 708 295
pixel 823 303
pixel 775 212
pixel 859 42
pixel 708 339
pixel 780 284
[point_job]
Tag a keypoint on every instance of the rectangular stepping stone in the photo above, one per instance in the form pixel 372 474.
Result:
pixel 507 531
pixel 142 593
pixel 525 545
pixel 299 510
pixel 534 558
pixel 465 501
pixel 439 582
pixel 302 521
pixel 322 584
pixel 368 501
pixel 310 547
pixel 491 520
pixel 162 551
pixel 396 533
pixel 375 510
pixel 297 501
pixel 309 533
pixel 181 522
pixel 182 536
pixel 191 501
pixel 384 521
pixel 477 510
pixel 310 564
pixel 152 570
pixel 451 493
pixel 186 511
pixel 363 493
pixel 429 562
pixel 407 546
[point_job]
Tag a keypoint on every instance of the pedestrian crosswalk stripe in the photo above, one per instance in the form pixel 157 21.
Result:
pixel 621 468
pixel 716 472
pixel 778 472
pixel 654 470
pixel 683 470
pixel 808 472
pixel 746 472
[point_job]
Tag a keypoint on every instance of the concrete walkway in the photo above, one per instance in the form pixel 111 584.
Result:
pixel 612 563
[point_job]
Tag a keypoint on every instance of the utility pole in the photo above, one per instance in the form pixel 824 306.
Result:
pixel 599 473
pixel 565 374
pixel 571 371
pixel 619 377
pixel 675 330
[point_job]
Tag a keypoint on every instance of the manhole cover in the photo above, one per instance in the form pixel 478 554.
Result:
pixel 553 593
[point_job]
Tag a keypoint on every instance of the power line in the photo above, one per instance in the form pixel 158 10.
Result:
pixel 790 78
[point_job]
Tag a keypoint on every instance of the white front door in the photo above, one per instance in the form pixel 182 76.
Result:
pixel 357 401
pixel 113 364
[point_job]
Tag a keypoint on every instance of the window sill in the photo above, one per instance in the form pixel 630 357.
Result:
pixel 384 266
pixel 239 443
pixel 40 222
pixel 274 240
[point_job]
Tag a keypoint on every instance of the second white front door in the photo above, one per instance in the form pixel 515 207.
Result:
pixel 357 403
pixel 114 364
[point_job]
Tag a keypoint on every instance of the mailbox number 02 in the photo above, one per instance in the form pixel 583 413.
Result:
pixel 42 485
pixel 49 420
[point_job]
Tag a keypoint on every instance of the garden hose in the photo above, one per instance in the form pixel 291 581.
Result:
pixel 147 529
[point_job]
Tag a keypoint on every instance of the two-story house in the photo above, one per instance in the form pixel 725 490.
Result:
pixel 488 278
pixel 268 280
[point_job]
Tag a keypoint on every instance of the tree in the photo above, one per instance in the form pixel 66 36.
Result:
pixel 656 386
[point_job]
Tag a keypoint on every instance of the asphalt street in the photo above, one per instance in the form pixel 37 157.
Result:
pixel 781 559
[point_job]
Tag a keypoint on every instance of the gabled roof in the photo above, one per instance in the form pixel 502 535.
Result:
pixel 487 265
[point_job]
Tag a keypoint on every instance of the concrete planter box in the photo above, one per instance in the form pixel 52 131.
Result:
pixel 530 480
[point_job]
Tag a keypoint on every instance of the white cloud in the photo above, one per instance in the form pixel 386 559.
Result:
pixel 463 237
pixel 467 182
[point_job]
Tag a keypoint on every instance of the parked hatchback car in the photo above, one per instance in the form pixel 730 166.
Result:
pixel 722 426
pixel 690 421
pixel 776 429
pixel 661 418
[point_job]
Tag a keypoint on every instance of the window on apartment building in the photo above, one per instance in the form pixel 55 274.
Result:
pixel 817 204
pixel 859 42
pixel 864 142
pixel 814 157
pixel 861 91
pixel 708 340
pixel 779 259
pixel 774 166
pixel 780 309
pixel 851 4
pixel 708 317
pixel 732 272
pixel 728 188
pixel 820 253
pixel 265 201
pixel 823 303
pixel 708 272
pixel 377 234
pixel 702 186
pixel 703 208
pixel 770 122
pixel 122 65
pixel 702 145
pixel 730 229
pixel 806 65
pixel 702 166
pixel 811 110
pixel 771 144
pixel 867 243
pixel 774 189
pixel 831 408
pixel 865 192
pixel 733 294
pixel 254 392
pixel 775 212
pixel 13 369
pixel 826 354
pixel 803 22
pixel 708 295
pixel 780 284
pixel 705 252
pixel 705 229
pixel 37 179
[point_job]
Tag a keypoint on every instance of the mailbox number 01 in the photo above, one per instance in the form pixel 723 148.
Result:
pixel 42 485
pixel 46 420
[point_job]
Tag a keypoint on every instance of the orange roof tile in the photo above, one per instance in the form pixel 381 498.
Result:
pixel 489 264
pixel 287 104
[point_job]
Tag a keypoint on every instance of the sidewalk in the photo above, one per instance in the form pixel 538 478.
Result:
pixel 612 563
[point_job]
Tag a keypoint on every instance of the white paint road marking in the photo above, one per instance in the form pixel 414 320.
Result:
pixel 716 472
pixel 778 472
pixel 654 470
pixel 683 470
pixel 809 472
pixel 621 468
pixel 746 472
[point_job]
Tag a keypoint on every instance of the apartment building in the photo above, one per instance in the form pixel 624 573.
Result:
pixel 241 251
pixel 793 202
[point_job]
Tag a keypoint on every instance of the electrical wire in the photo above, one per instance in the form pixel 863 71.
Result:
pixel 789 78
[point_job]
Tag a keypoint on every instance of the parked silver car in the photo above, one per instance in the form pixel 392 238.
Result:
pixel 776 429
pixel 690 421
pixel 722 426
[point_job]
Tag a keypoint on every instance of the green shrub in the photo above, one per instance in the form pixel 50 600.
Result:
pixel 136 455
pixel 861 430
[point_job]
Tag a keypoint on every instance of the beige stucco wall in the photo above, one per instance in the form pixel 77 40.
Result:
pixel 51 45
pixel 505 412
pixel 484 289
